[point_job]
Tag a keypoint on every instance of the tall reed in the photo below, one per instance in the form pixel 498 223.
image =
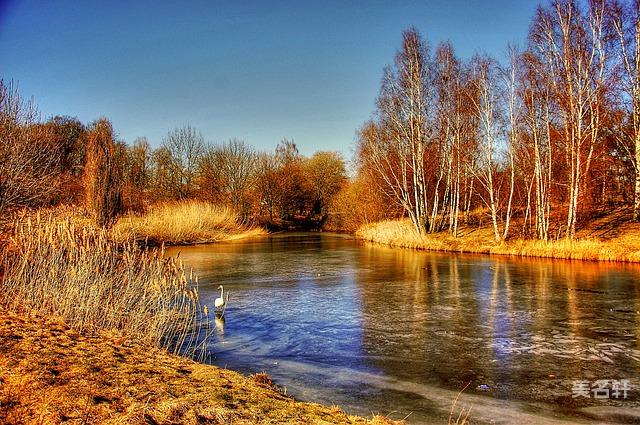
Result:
pixel 51 267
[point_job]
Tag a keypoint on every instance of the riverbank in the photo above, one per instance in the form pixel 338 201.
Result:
pixel 598 242
pixel 79 344
pixel 50 373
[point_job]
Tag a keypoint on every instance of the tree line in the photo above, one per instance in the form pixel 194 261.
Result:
pixel 61 160
pixel 548 135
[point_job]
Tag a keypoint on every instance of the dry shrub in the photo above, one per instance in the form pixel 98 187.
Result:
pixel 103 174
pixel 263 378
pixel 51 267
pixel 184 222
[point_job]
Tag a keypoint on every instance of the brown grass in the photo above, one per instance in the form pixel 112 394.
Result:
pixel 79 274
pixel 623 247
pixel 184 222
pixel 50 373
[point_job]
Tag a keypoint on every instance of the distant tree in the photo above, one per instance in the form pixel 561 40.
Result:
pixel 237 163
pixel 359 202
pixel 137 173
pixel 326 175
pixel 210 176
pixel 185 146
pixel 293 193
pixel 166 176
pixel 267 183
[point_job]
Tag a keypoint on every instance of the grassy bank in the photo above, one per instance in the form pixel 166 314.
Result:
pixel 50 374
pixel 623 245
pixel 184 222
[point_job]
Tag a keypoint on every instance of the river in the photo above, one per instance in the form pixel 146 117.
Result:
pixel 400 332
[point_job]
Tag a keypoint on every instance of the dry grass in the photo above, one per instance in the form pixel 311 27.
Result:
pixel 184 222
pixel 400 233
pixel 84 323
pixel 79 274
pixel 50 374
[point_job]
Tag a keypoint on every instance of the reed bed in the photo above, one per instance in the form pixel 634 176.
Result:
pixel 184 222
pixel 400 233
pixel 79 274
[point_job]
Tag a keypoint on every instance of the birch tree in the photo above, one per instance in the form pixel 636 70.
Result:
pixel 397 145
pixel 574 46
pixel 626 23
pixel 485 100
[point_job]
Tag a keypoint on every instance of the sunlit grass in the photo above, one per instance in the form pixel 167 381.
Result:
pixel 184 222
pixel 400 233
pixel 79 274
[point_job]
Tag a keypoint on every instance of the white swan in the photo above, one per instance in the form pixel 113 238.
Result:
pixel 220 303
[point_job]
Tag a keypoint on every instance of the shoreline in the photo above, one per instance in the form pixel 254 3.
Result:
pixel 400 234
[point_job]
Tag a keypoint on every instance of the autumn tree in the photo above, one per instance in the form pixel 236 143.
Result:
pixel 267 183
pixel 293 190
pixel 210 176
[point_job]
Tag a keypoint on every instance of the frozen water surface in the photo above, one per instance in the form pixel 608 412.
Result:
pixel 401 332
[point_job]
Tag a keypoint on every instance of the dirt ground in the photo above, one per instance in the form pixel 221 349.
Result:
pixel 50 374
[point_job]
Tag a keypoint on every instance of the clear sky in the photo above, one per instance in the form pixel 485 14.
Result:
pixel 257 70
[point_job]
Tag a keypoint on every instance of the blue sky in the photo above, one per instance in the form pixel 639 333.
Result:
pixel 257 70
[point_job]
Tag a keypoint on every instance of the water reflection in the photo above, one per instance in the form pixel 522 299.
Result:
pixel 380 329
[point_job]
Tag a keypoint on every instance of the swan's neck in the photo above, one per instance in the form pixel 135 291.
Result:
pixel 222 293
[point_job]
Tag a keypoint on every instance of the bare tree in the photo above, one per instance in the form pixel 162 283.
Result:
pixel 238 163
pixel 485 100
pixel 186 147
pixel 537 104
pixel 511 77
pixel 29 165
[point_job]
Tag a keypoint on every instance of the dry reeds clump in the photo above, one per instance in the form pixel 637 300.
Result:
pixel 184 222
pixel 91 282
